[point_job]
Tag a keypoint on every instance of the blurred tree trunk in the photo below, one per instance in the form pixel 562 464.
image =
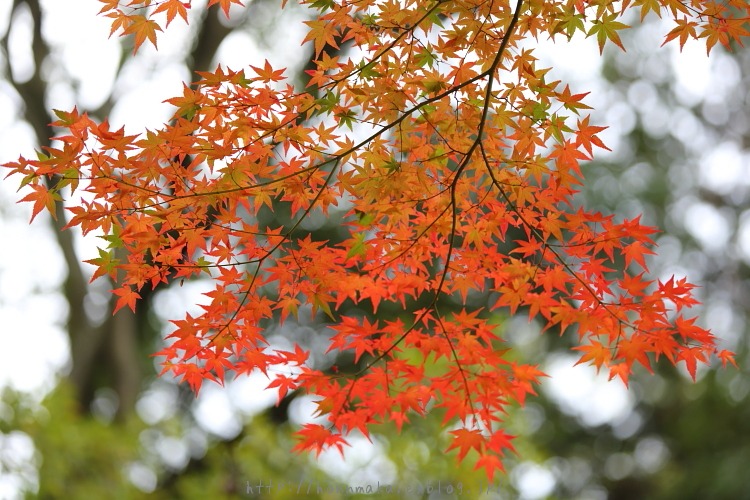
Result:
pixel 107 353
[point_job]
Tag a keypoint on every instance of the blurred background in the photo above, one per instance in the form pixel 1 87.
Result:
pixel 84 415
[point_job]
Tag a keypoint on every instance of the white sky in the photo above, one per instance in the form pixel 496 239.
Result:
pixel 31 269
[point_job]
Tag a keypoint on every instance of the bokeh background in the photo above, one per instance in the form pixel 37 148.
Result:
pixel 84 415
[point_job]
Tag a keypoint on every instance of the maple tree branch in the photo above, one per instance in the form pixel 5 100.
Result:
pixel 462 166
pixel 75 284
pixel 594 295
pixel 456 358
pixel 284 238
pixel 453 136
pixel 358 146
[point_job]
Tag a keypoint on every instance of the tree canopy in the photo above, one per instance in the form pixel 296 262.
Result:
pixel 452 165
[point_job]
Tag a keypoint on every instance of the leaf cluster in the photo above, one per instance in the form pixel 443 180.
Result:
pixel 453 163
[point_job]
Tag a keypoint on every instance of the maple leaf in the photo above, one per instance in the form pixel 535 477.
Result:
pixel 606 29
pixel 586 135
pixel 635 285
pixel 501 441
pixel 637 252
pixel 596 353
pixel 648 6
pixel 621 370
pixel 225 5
pixel 109 5
pixel 466 440
pixel 142 29
pixel 120 21
pixel 188 104
pixel 322 32
pixel 685 29
pixel 127 297
pixel 268 74
pixel 318 438
pixel 42 198
pixel 284 383
pixel 491 464
pixel 172 8
pixel 192 374
pixel 691 356
pixel 634 349
pixel 105 264
pixel 723 30
pixel 727 356
pixel 573 101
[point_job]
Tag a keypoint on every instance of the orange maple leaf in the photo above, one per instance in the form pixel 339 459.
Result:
pixel 42 198
pixel 142 29
pixel 466 440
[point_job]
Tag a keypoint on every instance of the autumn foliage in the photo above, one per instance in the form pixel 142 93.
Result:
pixel 452 162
